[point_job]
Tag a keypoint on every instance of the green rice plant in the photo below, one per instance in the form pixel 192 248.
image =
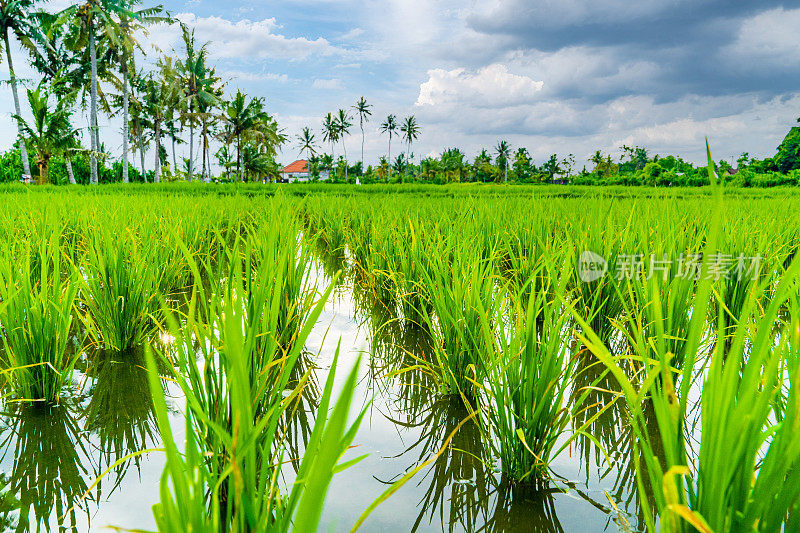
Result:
pixel 121 292
pixel 243 497
pixel 745 475
pixel 463 292
pixel 36 316
pixel 237 396
pixel 528 392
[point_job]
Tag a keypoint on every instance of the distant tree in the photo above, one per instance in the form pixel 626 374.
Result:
pixel 552 167
pixel 307 143
pixel 343 126
pixel 503 150
pixel 49 133
pixel 364 112
pixel 410 131
pixel 788 156
pixel 390 127
pixel 15 17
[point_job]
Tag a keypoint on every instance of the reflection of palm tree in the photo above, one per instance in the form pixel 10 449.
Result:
pixel 49 464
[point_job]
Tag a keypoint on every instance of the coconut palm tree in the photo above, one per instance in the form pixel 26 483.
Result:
pixel 168 73
pixel 200 91
pixel 410 131
pixel 364 112
pixel 240 118
pixel 90 19
pixel 155 102
pixel 390 127
pixel 122 34
pixel 307 143
pixel 15 17
pixel 49 133
pixel 343 126
pixel 330 131
pixel 503 150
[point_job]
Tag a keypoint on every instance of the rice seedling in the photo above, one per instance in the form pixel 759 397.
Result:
pixel 744 475
pixel 36 315
pixel 121 292
pixel 528 388
pixel 463 293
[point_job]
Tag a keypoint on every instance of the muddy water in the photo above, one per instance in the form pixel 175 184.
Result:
pixel 52 457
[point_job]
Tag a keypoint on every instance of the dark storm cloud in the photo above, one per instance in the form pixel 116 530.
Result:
pixel 689 41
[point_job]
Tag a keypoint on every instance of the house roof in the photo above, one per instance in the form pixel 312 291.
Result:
pixel 296 167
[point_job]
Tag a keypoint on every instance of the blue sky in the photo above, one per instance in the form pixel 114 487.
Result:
pixel 564 76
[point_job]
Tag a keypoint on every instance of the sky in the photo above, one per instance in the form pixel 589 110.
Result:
pixel 554 76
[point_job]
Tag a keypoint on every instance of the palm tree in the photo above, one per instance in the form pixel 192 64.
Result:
pixel 390 127
pixel 155 102
pixel 503 150
pixel 307 143
pixel 363 110
pixel 122 35
pixel 199 88
pixel 168 73
pixel 330 131
pixel 50 132
pixel 92 17
pixel 241 118
pixel 343 126
pixel 410 130
pixel 15 16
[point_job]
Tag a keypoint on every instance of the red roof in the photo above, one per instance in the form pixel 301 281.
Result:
pixel 296 167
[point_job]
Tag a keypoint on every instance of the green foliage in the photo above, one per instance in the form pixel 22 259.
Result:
pixel 38 289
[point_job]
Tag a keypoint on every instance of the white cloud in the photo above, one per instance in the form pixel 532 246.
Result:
pixel 769 40
pixel 491 86
pixel 242 75
pixel 327 84
pixel 244 39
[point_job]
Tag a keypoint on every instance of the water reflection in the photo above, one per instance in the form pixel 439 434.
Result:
pixel 120 410
pixel 51 465
pixel 457 485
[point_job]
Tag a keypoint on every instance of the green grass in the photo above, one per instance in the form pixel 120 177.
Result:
pixel 38 289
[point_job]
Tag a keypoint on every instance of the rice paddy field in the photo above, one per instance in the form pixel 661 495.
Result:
pixel 322 358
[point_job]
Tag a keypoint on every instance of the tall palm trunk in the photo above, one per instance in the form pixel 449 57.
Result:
pixel 344 149
pixel 70 173
pixel 140 136
pixel 26 165
pixel 157 169
pixel 174 157
pixel 239 158
pixel 205 142
pixel 191 149
pixel 125 119
pixel 94 133
pixel 363 139
pixel 390 159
